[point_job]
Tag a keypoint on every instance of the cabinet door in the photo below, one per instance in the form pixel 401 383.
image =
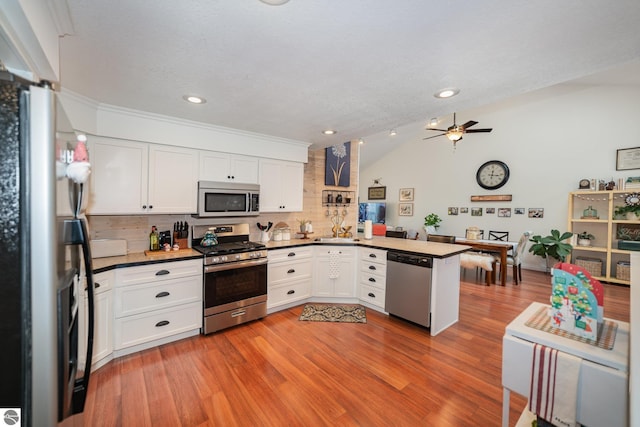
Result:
pixel 343 285
pixel 103 320
pixel 223 167
pixel 281 185
pixel 292 188
pixel 173 179
pixel 119 174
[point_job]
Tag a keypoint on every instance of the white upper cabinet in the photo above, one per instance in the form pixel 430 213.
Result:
pixel 173 179
pixel 224 167
pixel 119 176
pixel 131 177
pixel 281 186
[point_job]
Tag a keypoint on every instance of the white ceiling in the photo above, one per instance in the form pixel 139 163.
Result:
pixel 359 66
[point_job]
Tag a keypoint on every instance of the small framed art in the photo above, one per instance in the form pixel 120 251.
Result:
pixel 628 158
pixel 406 194
pixel 377 193
pixel 405 209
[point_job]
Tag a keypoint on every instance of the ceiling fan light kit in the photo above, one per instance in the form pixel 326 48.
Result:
pixel 447 92
pixel 454 132
pixel 274 2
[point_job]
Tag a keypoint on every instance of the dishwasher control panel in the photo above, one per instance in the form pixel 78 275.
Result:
pixel 418 260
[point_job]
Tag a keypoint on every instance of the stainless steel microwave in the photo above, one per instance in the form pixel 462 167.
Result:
pixel 222 199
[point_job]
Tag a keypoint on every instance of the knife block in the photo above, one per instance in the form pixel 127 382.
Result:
pixel 181 242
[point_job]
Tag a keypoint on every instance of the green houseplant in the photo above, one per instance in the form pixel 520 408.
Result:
pixel 551 246
pixel 630 212
pixel 584 238
pixel 431 223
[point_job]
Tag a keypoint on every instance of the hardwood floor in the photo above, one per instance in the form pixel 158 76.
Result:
pixel 282 372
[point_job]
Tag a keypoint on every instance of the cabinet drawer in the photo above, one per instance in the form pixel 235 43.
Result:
pixel 288 293
pixel 373 255
pixel 290 254
pixel 278 273
pixel 161 271
pixel 372 295
pixel 141 328
pixel 101 282
pixel 374 280
pixel 141 298
pixel 367 267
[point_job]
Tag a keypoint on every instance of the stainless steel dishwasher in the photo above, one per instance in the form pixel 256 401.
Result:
pixel 408 293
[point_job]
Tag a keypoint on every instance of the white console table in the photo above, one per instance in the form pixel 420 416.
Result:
pixel 604 374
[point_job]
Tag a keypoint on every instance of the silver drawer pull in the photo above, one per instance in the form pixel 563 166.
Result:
pixel 372 267
pixel 291 254
pixel 163 294
pixel 371 279
pixel 372 256
pixel 162 273
pixel 162 323
pixel 291 292
pixel 372 295
pixel 239 313
pixel 291 270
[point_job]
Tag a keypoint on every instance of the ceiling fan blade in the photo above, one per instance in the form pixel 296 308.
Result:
pixel 439 130
pixel 434 136
pixel 478 130
pixel 469 124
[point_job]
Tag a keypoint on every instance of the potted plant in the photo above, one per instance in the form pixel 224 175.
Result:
pixel 303 225
pixel 584 238
pixel 630 212
pixel 552 246
pixel 431 223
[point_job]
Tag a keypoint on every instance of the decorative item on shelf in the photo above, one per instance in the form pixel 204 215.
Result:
pixel 303 225
pixel 631 209
pixel 584 184
pixel 590 213
pixel 632 182
pixel 339 198
pixel 628 232
pixel 623 270
pixel 584 239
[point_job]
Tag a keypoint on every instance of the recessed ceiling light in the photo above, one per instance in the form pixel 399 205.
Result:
pixel 447 93
pixel 194 99
pixel 329 132
pixel 393 132
pixel 433 122
pixel 361 141
pixel 274 2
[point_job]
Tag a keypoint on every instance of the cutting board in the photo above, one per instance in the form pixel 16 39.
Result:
pixel 101 248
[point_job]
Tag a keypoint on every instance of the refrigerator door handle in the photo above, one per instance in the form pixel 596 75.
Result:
pixel 82 384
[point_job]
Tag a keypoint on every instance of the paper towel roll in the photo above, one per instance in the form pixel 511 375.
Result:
pixel 368 229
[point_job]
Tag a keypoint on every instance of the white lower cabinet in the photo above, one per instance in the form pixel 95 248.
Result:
pixel 103 320
pixel 157 301
pixel 372 276
pixel 334 271
pixel 289 276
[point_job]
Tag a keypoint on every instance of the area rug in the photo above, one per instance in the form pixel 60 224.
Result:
pixel 334 313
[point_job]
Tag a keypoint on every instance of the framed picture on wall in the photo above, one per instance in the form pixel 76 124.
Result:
pixel 504 212
pixel 406 194
pixel 628 158
pixel 452 211
pixel 405 209
pixel 476 211
pixel 377 193
pixel 337 168
pixel 536 213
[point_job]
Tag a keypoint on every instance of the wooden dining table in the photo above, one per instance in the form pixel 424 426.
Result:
pixel 496 246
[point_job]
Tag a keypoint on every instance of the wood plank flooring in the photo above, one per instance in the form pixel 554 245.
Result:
pixel 282 372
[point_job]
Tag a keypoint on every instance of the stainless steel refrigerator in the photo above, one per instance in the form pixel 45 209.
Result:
pixel 44 253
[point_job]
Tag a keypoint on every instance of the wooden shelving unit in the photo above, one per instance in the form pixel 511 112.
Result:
pixel 604 227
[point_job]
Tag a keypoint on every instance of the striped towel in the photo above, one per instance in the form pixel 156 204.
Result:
pixel 334 264
pixel 554 386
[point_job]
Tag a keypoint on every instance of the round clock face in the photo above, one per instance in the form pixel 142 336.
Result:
pixel 492 175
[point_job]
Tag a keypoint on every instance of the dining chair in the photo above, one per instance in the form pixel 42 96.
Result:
pixel 503 236
pixel 474 232
pixel 441 238
pixel 397 234
pixel 515 260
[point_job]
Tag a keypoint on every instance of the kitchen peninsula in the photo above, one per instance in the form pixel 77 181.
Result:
pixel 296 276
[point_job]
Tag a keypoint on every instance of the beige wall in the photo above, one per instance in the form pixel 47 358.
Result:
pixel 135 228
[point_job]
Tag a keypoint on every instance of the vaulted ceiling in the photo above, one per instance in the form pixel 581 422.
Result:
pixel 358 66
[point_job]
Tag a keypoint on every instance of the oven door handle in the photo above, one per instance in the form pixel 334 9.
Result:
pixel 234 265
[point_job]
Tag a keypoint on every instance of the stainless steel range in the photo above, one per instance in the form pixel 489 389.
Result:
pixel 235 275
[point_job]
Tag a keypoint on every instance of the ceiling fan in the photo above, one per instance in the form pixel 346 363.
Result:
pixel 455 131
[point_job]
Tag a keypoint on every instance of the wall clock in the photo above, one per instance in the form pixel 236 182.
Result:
pixel 492 175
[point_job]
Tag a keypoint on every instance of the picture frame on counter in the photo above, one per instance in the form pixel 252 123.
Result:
pixel 406 194
pixel 377 193
pixel 405 209
pixel 628 158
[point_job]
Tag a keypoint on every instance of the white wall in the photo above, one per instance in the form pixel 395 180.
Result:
pixel 549 141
